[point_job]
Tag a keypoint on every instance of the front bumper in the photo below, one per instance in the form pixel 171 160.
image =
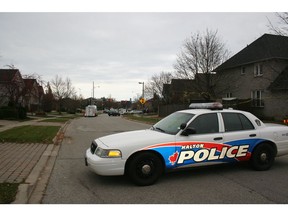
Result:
pixel 104 166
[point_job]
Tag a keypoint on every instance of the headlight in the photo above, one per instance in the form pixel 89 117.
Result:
pixel 108 153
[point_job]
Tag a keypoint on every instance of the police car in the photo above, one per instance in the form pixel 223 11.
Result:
pixel 187 138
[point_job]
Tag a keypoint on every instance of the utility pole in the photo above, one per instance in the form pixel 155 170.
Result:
pixel 93 89
pixel 93 93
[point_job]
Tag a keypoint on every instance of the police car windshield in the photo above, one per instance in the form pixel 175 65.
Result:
pixel 171 124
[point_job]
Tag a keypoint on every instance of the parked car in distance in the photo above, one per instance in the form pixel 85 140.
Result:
pixel 113 112
pixel 135 112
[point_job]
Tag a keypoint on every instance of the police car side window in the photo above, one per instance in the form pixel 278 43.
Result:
pixel 236 122
pixel 206 123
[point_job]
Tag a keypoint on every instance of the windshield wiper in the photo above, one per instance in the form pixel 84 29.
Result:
pixel 157 128
pixel 160 129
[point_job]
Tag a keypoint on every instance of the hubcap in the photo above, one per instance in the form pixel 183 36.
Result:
pixel 263 157
pixel 146 169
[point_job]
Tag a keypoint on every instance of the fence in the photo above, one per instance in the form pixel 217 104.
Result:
pixel 165 110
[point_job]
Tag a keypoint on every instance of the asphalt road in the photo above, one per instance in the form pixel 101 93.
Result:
pixel 71 182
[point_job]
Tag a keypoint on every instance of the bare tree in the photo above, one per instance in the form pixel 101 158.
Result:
pixel 58 87
pixel 48 99
pixel 155 84
pixel 282 25
pixel 62 89
pixel 70 90
pixel 11 66
pixel 200 55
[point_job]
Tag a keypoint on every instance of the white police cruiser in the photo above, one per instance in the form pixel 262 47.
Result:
pixel 189 138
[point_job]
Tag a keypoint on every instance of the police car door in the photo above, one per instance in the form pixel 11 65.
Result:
pixel 240 134
pixel 204 144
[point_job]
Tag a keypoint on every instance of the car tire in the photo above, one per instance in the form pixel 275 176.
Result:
pixel 263 157
pixel 145 168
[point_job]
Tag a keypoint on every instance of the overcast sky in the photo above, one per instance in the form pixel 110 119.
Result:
pixel 115 50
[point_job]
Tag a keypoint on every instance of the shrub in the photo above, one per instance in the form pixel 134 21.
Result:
pixel 12 113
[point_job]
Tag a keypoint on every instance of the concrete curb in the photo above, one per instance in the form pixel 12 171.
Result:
pixel 40 186
pixel 25 190
pixel 38 178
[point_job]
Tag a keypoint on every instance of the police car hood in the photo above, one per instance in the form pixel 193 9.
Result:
pixel 135 139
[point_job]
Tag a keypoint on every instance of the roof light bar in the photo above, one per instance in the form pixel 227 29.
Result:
pixel 212 106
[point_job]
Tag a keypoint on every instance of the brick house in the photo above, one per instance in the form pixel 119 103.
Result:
pixel 256 78
pixel 11 86
pixel 33 95
pixel 18 91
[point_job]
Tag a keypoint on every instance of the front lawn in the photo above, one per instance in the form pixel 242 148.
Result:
pixel 30 134
pixel 57 120
pixel 143 118
pixel 61 119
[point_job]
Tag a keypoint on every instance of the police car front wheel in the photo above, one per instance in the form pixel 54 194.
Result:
pixel 145 168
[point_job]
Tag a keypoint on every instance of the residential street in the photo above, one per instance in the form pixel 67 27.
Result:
pixel 72 182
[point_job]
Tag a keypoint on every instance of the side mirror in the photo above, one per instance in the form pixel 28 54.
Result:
pixel 183 126
pixel 188 131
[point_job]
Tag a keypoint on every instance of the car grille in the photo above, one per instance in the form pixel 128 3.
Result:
pixel 93 147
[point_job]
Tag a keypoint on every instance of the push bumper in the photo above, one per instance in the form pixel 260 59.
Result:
pixel 104 166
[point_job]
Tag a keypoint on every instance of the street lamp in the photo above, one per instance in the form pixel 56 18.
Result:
pixel 142 88
pixel 93 92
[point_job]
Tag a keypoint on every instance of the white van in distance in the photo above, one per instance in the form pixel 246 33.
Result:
pixel 90 111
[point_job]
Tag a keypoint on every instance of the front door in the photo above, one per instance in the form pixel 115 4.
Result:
pixel 202 147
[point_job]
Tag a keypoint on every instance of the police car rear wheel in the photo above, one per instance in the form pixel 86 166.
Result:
pixel 263 157
pixel 145 168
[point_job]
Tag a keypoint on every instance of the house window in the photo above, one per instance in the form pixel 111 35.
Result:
pixel 229 95
pixel 257 98
pixel 243 70
pixel 258 70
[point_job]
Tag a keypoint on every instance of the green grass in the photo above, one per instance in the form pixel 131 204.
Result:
pixel 30 134
pixel 144 119
pixel 57 120
pixel 61 119
pixel 8 192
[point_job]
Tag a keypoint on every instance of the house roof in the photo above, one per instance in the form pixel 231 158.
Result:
pixel 182 84
pixel 177 85
pixel 266 47
pixel 280 83
pixel 7 75
pixel 29 83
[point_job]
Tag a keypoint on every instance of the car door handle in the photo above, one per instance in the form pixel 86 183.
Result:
pixel 252 135
pixel 218 138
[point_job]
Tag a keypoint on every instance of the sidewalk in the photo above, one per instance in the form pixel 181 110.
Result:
pixel 24 162
pixel 17 160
